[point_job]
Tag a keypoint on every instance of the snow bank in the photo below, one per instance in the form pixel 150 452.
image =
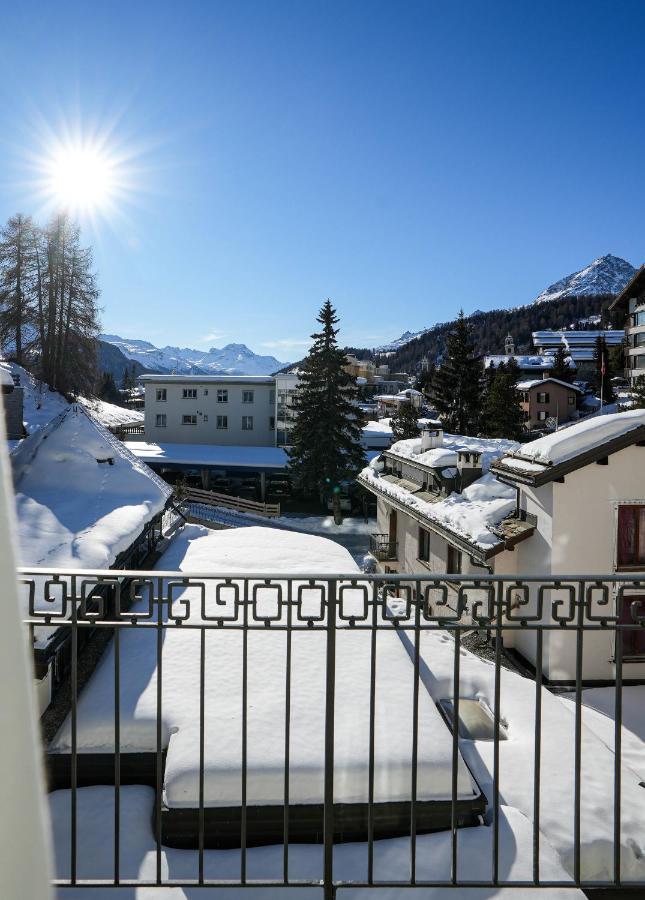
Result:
pixel 111 415
pixel 517 713
pixel 561 446
pixel 95 855
pixel 260 550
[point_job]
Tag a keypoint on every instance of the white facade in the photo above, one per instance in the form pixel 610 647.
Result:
pixel 228 410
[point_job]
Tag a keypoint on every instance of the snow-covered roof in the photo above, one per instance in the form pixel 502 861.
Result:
pixel 527 385
pixel 570 339
pixel 198 379
pixel 490 449
pixel 209 455
pixel 527 362
pixel 111 415
pixel 5 377
pixel 542 460
pixel 81 497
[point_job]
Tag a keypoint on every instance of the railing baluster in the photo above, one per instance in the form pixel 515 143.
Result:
pixel 415 741
pixel 330 685
pixel 498 663
pixel 158 756
pixel 618 737
pixel 370 772
pixel 537 756
pixel 287 737
pixel 245 647
pixel 578 733
pixel 117 752
pixel 455 755
pixel 202 687
pixel 74 760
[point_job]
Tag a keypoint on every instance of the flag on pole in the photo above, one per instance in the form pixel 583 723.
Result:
pixel 602 364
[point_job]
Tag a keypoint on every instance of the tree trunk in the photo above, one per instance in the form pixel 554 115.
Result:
pixel 338 513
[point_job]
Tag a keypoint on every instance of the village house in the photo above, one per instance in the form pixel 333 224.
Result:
pixel 569 502
pixel 548 402
pixel 631 303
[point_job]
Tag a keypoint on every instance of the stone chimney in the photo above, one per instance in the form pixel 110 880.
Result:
pixel 469 467
pixel 431 438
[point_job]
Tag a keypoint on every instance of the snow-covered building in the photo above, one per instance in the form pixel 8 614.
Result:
pixel 570 502
pixel 631 303
pixel 578 345
pixel 548 400
pixel 527 364
pixel 83 501
pixel 388 404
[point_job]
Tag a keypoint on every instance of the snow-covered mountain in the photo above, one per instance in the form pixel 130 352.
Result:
pixel 233 359
pixel 605 275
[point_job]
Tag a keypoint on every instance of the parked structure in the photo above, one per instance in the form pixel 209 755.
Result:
pixel 631 303
pixel 572 501
pixel 548 402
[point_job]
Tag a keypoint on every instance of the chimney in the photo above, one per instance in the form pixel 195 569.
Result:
pixel 431 438
pixel 469 467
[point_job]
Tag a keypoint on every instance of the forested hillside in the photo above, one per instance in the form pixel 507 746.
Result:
pixel 490 329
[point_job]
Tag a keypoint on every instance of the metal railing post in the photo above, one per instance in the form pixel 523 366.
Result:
pixel 330 687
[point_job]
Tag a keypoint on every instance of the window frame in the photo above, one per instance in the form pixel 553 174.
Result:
pixel 423 545
pixel 159 397
pixel 159 424
pixel 453 568
pixel 222 423
pixel 222 395
pixel 639 510
pixel 246 394
pixel 246 419
pixel 189 416
pixel 189 394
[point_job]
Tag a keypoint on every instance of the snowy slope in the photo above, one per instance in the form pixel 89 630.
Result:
pixel 605 275
pixel 41 405
pixel 233 359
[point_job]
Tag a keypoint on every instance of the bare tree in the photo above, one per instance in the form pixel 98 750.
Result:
pixel 17 286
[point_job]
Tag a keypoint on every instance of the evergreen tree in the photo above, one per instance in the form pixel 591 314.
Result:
pixel 107 389
pixel 638 393
pixel 603 373
pixel 503 415
pixel 457 383
pixel 405 422
pixel 561 369
pixel 326 438
pixel 17 283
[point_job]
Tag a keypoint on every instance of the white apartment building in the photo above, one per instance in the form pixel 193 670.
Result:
pixel 227 410
pixel 631 303
pixel 570 502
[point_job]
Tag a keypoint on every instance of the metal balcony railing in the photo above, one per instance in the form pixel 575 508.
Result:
pixel 383 548
pixel 142 610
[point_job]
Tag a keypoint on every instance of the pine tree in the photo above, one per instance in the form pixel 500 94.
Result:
pixel 405 422
pixel 17 274
pixel 107 389
pixel 457 383
pixel 503 415
pixel 602 361
pixel 326 438
pixel 561 368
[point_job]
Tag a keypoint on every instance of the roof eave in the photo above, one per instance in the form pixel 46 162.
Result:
pixel 626 291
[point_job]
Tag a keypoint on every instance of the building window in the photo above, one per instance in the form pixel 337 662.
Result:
pixel 453 563
pixel 189 393
pixel 631 537
pixel 247 423
pixel 541 416
pixel 189 420
pixel 205 392
pixel 272 423
pixel 247 396
pixel 424 545
pixel 205 418
pixel 222 422
pixel 161 395
pixel 222 395
pixel 160 421
pixel 571 401
pixel 542 397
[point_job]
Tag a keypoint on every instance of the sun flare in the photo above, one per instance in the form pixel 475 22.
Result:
pixel 81 178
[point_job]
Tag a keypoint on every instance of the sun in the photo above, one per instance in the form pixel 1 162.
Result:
pixel 80 178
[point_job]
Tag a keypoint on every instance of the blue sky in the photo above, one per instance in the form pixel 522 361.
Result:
pixel 402 158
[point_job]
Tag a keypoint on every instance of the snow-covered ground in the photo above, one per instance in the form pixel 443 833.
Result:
pixel 261 550
pixel 391 857
pixel 41 405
